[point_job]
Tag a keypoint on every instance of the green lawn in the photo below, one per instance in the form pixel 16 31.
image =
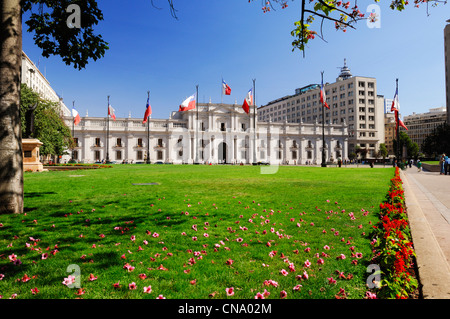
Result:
pixel 201 230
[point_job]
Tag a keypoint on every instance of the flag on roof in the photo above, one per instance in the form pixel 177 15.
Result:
pixel 188 104
pixel 148 111
pixel 76 116
pixel 248 101
pixel 225 88
pixel 111 112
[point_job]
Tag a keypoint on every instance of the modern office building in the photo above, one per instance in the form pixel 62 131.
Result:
pixel 34 79
pixel 421 125
pixel 223 134
pixel 353 101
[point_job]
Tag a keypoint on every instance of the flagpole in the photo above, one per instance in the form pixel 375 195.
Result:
pixel 324 164
pixel 107 134
pixel 73 128
pixel 221 92
pixel 397 126
pixel 196 128
pixel 254 123
pixel 148 131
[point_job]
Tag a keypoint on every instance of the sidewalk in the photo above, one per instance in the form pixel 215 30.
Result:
pixel 427 196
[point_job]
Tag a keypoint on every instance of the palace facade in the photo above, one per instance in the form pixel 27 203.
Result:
pixel 211 133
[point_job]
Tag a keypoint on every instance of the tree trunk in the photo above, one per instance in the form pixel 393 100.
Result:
pixel 11 157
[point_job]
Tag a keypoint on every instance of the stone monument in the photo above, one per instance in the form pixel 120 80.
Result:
pixel 30 145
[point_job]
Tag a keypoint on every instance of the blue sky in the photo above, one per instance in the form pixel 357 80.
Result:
pixel 236 41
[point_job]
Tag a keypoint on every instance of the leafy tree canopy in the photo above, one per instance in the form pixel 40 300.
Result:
pixel 49 127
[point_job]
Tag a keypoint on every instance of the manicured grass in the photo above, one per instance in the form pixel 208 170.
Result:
pixel 431 162
pixel 201 230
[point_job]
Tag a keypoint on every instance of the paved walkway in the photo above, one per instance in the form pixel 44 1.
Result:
pixel 427 197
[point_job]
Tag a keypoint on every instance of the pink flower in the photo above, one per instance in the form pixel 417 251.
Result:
pixel 34 290
pixel 12 257
pixel 307 263
pixel 44 256
pixel 230 291
pixel 283 272
pixel 160 297
pixel 155 235
pixel 148 289
pixel 331 280
pixel 259 296
pixel 305 275
pixel 92 277
pixel 69 280
pixel 370 295
pixel 132 286
pixel 283 294
pixel 297 288
pixel 142 276
pixel 326 247
pixel 133 238
pixel 320 261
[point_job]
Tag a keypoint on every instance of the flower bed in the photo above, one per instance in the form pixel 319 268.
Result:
pixel 393 248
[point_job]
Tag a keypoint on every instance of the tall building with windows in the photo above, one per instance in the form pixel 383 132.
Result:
pixel 35 80
pixel 353 102
pixel 421 125
pixel 447 66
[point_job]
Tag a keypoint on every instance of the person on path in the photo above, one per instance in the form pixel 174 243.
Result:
pixel 419 165
pixel 442 164
pixel 447 165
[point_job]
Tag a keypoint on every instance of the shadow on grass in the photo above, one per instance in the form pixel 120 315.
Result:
pixel 37 194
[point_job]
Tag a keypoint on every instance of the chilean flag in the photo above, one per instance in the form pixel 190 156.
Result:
pixel 394 106
pixel 111 112
pixel 248 101
pixel 148 111
pixel 76 116
pixel 399 122
pixel 323 97
pixel 188 104
pixel 225 88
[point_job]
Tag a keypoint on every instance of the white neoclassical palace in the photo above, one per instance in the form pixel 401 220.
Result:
pixel 223 134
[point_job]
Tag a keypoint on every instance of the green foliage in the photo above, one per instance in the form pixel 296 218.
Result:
pixel 383 152
pixel 411 147
pixel 438 142
pixel 49 127
pixel 51 33
pixel 345 14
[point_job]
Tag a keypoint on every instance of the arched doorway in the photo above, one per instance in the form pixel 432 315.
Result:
pixel 222 151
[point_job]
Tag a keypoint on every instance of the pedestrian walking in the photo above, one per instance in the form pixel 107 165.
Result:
pixel 419 165
pixel 447 165
pixel 442 164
